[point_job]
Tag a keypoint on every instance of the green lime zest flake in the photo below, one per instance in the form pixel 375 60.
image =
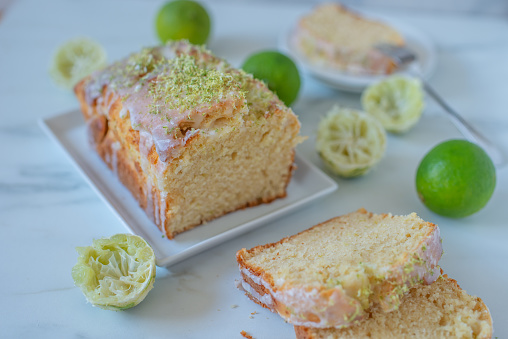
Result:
pixel 143 62
pixel 186 85
pixel 132 71
pixel 189 80
pixel 115 273
pixel 179 81
pixel 333 281
pixel 358 312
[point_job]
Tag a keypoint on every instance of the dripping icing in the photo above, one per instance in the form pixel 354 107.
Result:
pixel 174 92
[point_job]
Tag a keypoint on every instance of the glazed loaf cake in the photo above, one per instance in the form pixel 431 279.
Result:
pixel 191 137
pixel 334 37
pixel 330 274
pixel 439 310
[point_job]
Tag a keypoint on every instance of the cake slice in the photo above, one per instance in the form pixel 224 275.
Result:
pixel 190 136
pixel 440 310
pixel 335 37
pixel 330 274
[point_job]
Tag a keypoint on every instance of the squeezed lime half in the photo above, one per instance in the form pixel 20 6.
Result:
pixel 115 273
pixel 76 59
pixel 397 102
pixel 350 142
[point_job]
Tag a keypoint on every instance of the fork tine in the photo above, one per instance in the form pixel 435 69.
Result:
pixel 401 55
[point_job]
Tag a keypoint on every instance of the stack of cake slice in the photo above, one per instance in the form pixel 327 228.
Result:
pixel 363 275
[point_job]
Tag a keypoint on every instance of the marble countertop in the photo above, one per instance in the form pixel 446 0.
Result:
pixel 47 208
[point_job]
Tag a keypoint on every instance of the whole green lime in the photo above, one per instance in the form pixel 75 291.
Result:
pixel 183 19
pixel 456 178
pixel 278 71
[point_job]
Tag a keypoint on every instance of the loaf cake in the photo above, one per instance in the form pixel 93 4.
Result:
pixel 190 136
pixel 330 274
pixel 439 310
pixel 332 36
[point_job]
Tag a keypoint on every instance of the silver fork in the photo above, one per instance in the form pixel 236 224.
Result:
pixel 404 57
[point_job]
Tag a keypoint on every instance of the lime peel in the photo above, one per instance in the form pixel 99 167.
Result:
pixel 456 178
pixel 397 102
pixel 350 142
pixel 183 19
pixel 277 71
pixel 76 59
pixel 115 273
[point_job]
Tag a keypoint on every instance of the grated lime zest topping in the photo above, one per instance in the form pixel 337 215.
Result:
pixel 179 78
pixel 181 83
pixel 186 84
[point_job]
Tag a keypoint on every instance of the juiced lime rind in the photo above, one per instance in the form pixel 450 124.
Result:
pixel 441 183
pixel 75 60
pixel 350 142
pixel 397 102
pixel 115 273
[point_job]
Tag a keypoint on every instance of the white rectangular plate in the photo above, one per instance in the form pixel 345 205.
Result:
pixel 68 130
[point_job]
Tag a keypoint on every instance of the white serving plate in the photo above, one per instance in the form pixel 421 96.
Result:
pixel 68 130
pixel 416 40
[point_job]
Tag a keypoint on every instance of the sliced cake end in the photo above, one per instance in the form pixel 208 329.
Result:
pixel 328 275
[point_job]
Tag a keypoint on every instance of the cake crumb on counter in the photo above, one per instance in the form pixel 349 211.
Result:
pixel 246 335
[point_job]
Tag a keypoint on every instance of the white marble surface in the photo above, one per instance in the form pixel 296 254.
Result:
pixel 46 207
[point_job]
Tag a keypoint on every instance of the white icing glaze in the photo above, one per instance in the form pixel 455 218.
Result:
pixel 265 299
pixel 115 147
pixel 331 309
pixel 423 269
pixel 170 129
pixel 163 211
pixel 107 157
pixel 156 211
pixel 149 199
pixel 123 112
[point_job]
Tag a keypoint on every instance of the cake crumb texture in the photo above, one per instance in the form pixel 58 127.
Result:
pixel 190 136
pixel 330 274
pixel 439 310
